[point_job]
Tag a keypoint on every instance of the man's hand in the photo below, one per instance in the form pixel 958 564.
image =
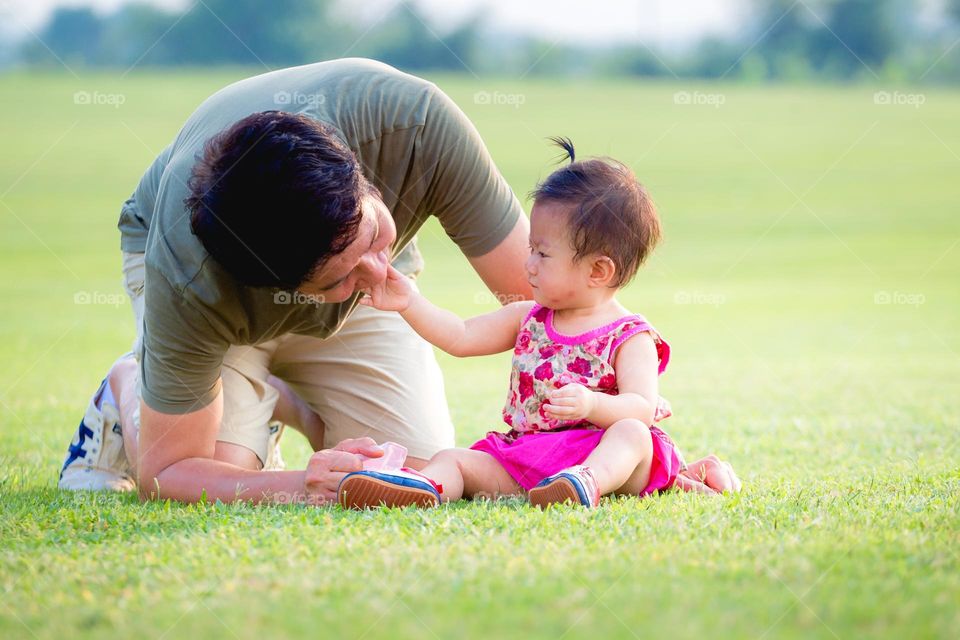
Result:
pixel 327 468
pixel 393 294
pixel 571 402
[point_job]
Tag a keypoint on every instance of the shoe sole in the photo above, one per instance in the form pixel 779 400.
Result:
pixel 557 492
pixel 365 492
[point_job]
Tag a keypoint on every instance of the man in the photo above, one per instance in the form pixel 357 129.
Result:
pixel 246 247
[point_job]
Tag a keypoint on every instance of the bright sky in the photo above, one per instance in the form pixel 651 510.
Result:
pixel 663 23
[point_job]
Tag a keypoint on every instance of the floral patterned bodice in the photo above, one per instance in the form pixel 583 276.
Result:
pixel 544 360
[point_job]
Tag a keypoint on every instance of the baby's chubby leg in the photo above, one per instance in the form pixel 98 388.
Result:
pixel 622 460
pixel 469 473
pixel 692 484
pixel 714 473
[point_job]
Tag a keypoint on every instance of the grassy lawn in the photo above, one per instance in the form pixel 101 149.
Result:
pixel 808 285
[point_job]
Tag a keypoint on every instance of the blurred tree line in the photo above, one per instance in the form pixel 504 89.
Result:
pixel 784 40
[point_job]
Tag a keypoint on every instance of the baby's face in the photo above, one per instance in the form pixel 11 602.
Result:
pixel 558 281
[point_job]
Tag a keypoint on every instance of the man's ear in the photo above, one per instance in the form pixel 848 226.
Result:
pixel 602 271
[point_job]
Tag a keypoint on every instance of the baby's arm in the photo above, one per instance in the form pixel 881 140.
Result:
pixel 490 333
pixel 637 367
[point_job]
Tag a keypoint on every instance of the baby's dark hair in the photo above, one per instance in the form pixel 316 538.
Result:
pixel 609 212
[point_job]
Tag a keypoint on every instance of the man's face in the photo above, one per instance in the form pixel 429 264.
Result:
pixel 363 263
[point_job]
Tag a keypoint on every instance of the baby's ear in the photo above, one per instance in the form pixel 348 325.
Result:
pixel 602 271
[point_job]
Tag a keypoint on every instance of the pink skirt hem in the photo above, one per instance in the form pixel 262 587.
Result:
pixel 531 457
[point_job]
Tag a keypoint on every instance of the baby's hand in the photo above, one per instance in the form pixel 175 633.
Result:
pixel 571 402
pixel 393 294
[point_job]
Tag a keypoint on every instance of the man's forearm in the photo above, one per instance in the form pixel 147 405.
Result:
pixel 195 479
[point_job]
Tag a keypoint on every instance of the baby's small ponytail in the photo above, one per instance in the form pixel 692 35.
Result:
pixel 608 211
pixel 567 145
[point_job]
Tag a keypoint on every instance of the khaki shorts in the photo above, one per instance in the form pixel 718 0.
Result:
pixel 376 377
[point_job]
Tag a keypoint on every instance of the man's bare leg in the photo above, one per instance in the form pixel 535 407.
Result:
pixel 293 411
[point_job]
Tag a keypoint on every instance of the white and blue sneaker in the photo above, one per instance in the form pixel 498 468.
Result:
pixel 573 484
pixel 274 461
pixel 393 488
pixel 95 459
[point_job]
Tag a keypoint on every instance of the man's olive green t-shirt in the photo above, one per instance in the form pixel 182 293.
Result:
pixel 415 146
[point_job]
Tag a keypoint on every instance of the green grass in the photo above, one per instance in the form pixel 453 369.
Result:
pixel 789 211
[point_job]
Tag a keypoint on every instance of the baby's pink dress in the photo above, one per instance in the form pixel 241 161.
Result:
pixel 537 446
